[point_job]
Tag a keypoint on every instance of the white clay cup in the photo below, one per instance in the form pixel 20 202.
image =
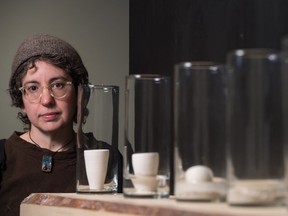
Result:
pixel 96 162
pixel 145 164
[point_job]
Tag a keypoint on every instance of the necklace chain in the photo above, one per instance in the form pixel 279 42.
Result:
pixel 57 149
pixel 47 160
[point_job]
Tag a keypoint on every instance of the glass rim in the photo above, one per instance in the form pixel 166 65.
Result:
pixel 199 65
pixel 147 76
pixel 252 52
pixel 103 87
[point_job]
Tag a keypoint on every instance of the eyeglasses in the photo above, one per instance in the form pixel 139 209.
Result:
pixel 33 91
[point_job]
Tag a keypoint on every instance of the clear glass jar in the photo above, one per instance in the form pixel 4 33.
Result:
pixel 200 131
pixel 147 151
pixel 257 122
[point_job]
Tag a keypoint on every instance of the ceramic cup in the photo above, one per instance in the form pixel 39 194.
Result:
pixel 96 162
pixel 145 164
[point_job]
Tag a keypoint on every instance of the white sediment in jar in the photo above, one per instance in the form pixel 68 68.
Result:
pixel 256 192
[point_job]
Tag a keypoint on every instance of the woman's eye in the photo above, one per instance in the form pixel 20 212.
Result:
pixel 57 85
pixel 32 88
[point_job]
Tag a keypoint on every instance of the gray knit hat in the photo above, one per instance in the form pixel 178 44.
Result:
pixel 48 46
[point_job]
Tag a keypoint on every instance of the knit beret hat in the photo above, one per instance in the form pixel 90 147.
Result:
pixel 38 45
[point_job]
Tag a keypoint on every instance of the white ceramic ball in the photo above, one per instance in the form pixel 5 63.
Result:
pixel 198 173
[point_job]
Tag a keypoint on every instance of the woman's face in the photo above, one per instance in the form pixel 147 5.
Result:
pixel 49 114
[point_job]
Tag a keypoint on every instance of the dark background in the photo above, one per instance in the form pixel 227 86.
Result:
pixel 166 32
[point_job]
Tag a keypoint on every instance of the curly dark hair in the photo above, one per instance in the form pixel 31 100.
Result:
pixel 78 75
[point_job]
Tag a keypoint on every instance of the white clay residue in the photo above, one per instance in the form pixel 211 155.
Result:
pixel 256 192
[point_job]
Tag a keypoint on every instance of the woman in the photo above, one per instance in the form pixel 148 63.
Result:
pixel 46 72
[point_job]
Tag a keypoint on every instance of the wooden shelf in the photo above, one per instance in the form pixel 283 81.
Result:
pixel 106 204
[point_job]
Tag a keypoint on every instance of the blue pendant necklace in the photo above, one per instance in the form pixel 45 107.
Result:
pixel 47 159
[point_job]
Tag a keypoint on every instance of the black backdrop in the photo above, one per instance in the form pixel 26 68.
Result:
pixel 165 32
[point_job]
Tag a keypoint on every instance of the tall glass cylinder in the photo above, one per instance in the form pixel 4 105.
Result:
pixel 99 130
pixel 200 131
pixel 257 122
pixel 147 150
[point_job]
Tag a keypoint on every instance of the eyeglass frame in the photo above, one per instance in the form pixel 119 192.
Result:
pixel 24 91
